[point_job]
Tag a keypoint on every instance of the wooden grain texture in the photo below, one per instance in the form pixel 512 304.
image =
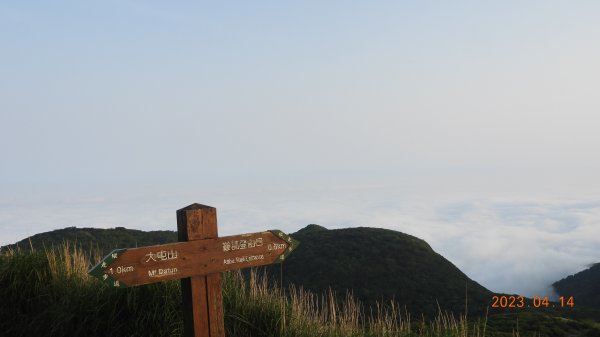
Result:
pixel 151 264
pixel 203 317
pixel 198 260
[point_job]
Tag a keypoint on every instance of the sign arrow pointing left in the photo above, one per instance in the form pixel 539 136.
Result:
pixel 144 265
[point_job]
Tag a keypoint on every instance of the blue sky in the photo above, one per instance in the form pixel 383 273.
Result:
pixel 471 125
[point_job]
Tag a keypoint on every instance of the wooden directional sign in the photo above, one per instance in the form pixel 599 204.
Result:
pixel 144 265
pixel 198 260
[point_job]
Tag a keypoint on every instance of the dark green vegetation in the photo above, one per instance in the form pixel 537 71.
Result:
pixel 96 239
pixel 583 286
pixel 536 323
pixel 48 293
pixel 374 264
pixel 381 265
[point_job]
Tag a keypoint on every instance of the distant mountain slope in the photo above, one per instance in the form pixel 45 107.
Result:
pixel 583 286
pixel 375 263
pixel 380 264
pixel 103 239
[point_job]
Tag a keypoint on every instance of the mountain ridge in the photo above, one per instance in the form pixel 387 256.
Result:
pixel 380 265
pixel 394 263
pixel 584 286
pixel 98 240
pixel 374 264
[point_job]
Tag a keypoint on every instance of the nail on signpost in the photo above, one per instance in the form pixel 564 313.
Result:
pixel 198 260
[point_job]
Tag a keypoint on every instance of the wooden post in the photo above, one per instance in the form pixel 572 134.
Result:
pixel 198 261
pixel 202 295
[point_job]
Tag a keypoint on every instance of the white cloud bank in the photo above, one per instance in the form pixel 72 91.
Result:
pixel 506 244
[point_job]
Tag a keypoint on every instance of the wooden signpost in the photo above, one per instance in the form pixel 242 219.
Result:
pixel 198 259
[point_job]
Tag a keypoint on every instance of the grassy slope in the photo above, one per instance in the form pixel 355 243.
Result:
pixel 97 239
pixel 381 265
pixel 376 264
pixel 50 294
pixel 583 286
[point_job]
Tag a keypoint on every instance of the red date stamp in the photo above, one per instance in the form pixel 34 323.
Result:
pixel 510 301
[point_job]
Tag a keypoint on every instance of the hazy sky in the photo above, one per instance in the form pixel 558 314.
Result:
pixel 473 125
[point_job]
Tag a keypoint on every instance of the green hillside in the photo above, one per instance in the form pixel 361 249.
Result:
pixel 98 240
pixel 583 286
pixel 380 265
pixel 42 295
pixel 50 293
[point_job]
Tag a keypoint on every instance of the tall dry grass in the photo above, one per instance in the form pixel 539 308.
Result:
pixel 298 312
pixel 49 293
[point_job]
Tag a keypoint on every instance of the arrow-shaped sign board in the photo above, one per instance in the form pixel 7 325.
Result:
pixel 144 265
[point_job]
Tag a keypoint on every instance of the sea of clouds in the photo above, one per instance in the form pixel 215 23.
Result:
pixel 507 244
